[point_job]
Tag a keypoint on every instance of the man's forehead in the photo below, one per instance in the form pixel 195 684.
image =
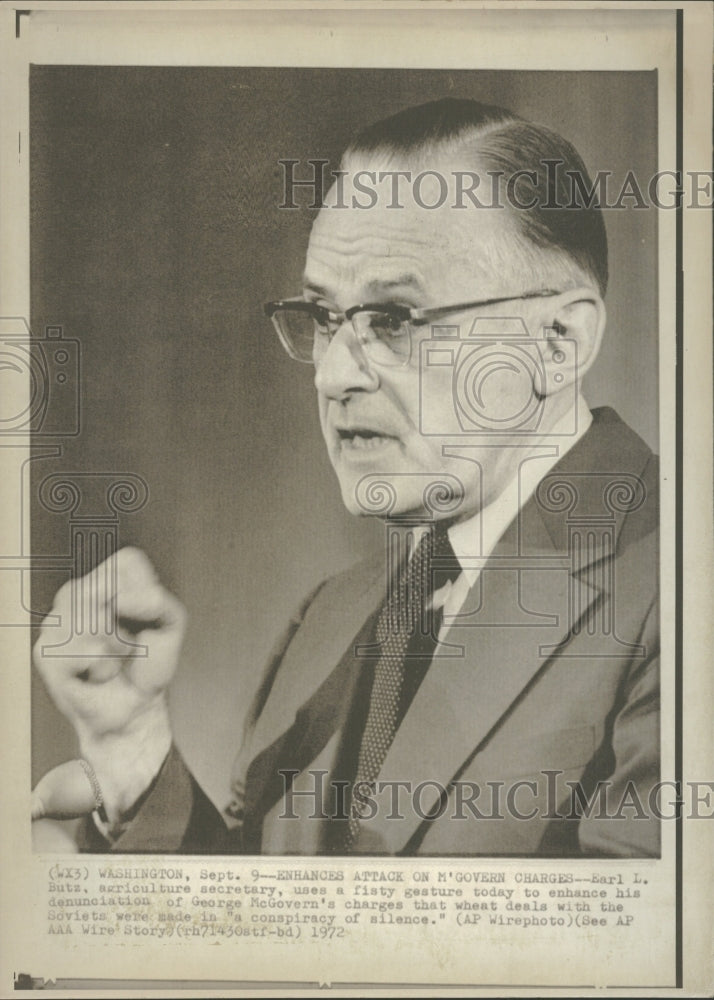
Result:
pixel 404 247
pixel 372 260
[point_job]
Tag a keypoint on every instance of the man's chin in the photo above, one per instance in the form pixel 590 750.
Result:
pixel 389 495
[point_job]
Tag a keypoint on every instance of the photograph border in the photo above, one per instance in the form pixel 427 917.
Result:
pixel 678 635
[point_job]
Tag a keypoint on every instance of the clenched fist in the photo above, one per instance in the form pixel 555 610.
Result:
pixel 122 634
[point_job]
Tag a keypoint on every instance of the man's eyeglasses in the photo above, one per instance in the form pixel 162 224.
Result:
pixel 383 331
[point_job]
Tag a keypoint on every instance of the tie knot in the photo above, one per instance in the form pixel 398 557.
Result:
pixel 445 565
pixel 432 563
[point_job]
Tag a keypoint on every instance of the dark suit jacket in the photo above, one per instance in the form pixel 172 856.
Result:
pixel 536 728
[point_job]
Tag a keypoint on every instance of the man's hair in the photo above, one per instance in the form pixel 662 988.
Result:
pixel 504 143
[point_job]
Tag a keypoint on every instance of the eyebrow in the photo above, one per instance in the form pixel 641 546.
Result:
pixel 310 286
pixel 375 286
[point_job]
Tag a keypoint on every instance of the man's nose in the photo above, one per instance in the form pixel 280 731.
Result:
pixel 343 368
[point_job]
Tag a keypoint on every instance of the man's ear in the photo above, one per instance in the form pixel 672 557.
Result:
pixel 572 337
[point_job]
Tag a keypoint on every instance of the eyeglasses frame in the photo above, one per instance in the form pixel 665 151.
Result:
pixel 404 314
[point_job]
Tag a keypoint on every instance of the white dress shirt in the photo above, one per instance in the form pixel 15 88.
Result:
pixel 474 540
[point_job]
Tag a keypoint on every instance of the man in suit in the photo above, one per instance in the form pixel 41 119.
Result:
pixel 494 688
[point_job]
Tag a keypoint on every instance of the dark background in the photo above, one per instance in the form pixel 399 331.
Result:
pixel 156 236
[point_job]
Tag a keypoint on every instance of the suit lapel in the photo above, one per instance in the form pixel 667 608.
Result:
pixel 478 673
pixel 525 608
pixel 301 725
pixel 327 636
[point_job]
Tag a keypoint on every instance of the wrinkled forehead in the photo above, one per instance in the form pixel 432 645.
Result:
pixel 379 227
pixel 377 238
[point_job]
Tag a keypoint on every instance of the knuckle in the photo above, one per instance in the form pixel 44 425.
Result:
pixel 62 594
pixel 174 610
pixel 134 568
pixel 132 557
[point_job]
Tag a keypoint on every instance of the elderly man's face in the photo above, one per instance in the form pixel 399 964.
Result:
pixel 370 414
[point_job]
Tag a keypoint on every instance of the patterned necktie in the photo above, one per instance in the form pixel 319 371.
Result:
pixel 407 633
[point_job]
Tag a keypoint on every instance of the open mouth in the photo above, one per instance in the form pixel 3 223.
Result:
pixel 362 438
